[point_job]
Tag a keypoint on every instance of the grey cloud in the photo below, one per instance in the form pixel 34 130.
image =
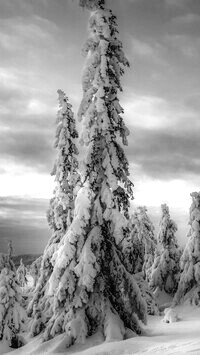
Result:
pixel 23 220
pixel 11 8
pixel 182 4
pixel 7 95
pixel 24 137
pixel 32 149
pixel 186 19
pixel 13 204
pixel 26 239
pixel 165 154
pixel 188 24
pixel 193 101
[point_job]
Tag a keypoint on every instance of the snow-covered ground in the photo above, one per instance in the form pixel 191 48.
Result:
pixel 4 348
pixel 182 337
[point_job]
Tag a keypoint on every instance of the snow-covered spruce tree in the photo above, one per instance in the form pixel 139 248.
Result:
pixel 91 288
pixel 138 249
pixel 35 270
pixel 12 314
pixel 133 247
pixel 10 249
pixel 146 236
pixel 147 294
pixel 165 271
pixel 60 212
pixel 22 274
pixel 61 208
pixel 139 246
pixel 189 284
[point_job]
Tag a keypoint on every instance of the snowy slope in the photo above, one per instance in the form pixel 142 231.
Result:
pixel 182 337
pixel 4 348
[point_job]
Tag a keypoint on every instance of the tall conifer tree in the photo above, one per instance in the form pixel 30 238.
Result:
pixel 61 209
pixel 146 235
pixel 189 284
pixel 165 271
pixel 22 274
pixel 91 288
pixel 139 247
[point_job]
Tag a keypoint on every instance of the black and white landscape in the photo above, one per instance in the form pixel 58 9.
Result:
pixel 99 177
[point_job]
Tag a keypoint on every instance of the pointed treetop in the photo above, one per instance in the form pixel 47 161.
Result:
pixel 61 97
pixel 10 249
pixel 92 4
pixel 196 198
pixel 165 208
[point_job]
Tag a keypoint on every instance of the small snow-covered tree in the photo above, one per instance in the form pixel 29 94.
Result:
pixel 35 270
pixel 90 286
pixel 165 270
pixel 139 247
pixel 22 274
pixel 138 250
pixel 12 314
pixel 147 294
pixel 10 249
pixel 146 236
pixel 61 210
pixel 189 284
pixel 133 247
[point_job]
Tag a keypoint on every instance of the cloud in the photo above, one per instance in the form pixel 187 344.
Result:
pixel 149 112
pixel 155 113
pixel 176 3
pixel 193 101
pixel 148 49
pixel 186 19
pixel 27 127
pixel 10 8
pixel 164 139
pixel 185 45
pixel 165 154
pixel 22 210
pixel 142 48
pixel 30 31
pixel 30 148
pixel 23 220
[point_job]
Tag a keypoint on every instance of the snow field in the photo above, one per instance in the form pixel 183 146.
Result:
pixel 179 338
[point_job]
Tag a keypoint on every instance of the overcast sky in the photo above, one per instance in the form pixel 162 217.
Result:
pixel 40 52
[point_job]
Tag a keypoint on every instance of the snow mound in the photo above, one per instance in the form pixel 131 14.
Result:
pixel 171 315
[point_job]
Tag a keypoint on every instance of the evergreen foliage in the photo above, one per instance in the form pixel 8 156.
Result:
pixel 22 274
pixel 35 270
pixel 133 247
pixel 12 314
pixel 147 294
pixel 189 284
pixel 90 287
pixel 146 235
pixel 61 209
pixel 139 247
pixel 165 271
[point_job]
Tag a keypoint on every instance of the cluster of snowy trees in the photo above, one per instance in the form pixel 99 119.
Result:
pixel 160 266
pixel 12 311
pixel 102 268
